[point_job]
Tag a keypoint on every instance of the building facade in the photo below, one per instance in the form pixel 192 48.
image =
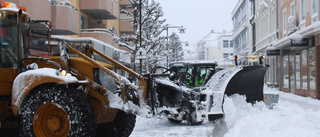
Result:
pixel 265 30
pixel 299 45
pixel 81 22
pixel 217 47
pixel 287 32
pixel 242 35
pixel 225 51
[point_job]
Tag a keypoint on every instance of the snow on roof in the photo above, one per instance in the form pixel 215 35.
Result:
pixel 86 39
pixel 305 33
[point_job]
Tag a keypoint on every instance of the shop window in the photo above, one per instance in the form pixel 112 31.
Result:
pixel 304 69
pixel 285 71
pixel 292 73
pixel 302 11
pixel 298 71
pixel 312 70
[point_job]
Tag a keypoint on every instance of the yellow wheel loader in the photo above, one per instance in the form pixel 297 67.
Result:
pixel 74 95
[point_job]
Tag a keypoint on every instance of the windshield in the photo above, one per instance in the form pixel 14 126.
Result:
pixel 8 42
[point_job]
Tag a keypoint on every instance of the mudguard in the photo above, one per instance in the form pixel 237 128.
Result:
pixel 26 81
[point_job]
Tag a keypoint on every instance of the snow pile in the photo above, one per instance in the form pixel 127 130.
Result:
pixel 287 119
pixel 155 127
pixel 219 81
pixel 294 116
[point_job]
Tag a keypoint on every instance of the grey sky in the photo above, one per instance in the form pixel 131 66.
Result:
pixel 198 17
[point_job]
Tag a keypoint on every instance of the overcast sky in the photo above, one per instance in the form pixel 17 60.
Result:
pixel 198 17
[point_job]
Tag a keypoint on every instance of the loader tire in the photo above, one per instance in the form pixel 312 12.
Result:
pixel 122 126
pixel 56 111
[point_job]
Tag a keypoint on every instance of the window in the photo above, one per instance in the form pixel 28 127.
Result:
pixel 225 55
pixel 84 21
pixel 244 37
pixel 298 71
pixel 285 72
pixel 303 12
pixel 315 6
pixel 304 69
pixel 239 15
pixel 201 55
pixel 225 44
pixel 231 44
pixel 9 42
pixel 284 21
pixel 312 70
pixel 207 53
pixel 293 9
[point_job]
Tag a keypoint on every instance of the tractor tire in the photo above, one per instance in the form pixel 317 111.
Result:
pixel 174 121
pixel 122 126
pixel 192 117
pixel 56 111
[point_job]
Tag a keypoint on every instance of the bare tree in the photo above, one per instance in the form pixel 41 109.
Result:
pixel 151 28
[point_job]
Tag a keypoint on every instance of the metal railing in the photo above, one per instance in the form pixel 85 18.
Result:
pixel 64 3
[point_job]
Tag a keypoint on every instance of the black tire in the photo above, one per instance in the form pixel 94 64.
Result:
pixel 174 121
pixel 80 113
pixel 122 126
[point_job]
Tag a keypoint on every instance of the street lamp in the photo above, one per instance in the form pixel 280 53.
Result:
pixel 181 30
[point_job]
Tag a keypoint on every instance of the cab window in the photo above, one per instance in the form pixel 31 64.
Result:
pixel 8 42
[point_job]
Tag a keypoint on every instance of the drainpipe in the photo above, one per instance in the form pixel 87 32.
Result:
pixel 253 24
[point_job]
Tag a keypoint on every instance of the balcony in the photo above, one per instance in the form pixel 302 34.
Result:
pixel 125 2
pixel 64 18
pixel 100 9
pixel 126 27
pixel 100 34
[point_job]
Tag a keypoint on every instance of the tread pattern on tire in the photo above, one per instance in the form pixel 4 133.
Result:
pixel 80 111
pixel 122 126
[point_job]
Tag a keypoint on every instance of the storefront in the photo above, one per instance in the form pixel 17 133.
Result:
pixel 299 63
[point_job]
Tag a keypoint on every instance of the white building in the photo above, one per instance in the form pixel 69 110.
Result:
pixel 265 24
pixel 207 48
pixel 242 36
pixel 225 51
pixel 217 47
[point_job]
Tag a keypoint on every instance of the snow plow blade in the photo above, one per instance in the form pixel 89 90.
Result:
pixel 245 80
pixel 248 81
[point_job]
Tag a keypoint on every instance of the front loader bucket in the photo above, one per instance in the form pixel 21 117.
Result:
pixel 248 81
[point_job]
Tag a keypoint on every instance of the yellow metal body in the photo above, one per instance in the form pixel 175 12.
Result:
pixel 50 118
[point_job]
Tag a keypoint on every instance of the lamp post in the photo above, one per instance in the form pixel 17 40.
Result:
pixel 181 29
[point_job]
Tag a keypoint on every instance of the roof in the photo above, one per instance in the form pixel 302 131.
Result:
pixel 198 62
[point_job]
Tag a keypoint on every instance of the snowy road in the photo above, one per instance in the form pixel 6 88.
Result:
pixel 294 116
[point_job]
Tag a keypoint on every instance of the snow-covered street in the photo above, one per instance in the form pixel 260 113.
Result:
pixel 294 116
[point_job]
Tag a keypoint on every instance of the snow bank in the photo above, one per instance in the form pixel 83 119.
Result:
pixel 287 119
pixel 155 127
pixel 294 116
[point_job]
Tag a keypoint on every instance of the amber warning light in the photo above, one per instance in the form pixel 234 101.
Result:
pixel 11 5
